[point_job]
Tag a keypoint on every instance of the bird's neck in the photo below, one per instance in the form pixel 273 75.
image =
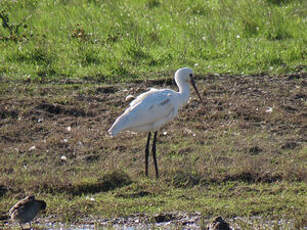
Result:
pixel 184 93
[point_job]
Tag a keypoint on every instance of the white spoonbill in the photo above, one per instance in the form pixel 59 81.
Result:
pixel 151 110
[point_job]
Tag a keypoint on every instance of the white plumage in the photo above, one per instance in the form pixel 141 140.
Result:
pixel 148 112
pixel 153 109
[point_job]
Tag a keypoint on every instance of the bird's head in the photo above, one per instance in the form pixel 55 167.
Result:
pixel 186 74
pixel 30 197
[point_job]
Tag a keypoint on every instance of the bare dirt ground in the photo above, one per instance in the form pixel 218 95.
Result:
pixel 71 119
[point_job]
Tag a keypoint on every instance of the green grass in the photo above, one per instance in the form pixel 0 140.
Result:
pixel 216 199
pixel 125 40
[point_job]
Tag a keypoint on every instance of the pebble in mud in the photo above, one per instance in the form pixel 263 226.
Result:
pixel 218 224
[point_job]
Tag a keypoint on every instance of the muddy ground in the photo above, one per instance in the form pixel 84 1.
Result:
pixel 32 114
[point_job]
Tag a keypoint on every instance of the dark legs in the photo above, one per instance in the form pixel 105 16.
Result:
pixel 153 153
pixel 147 154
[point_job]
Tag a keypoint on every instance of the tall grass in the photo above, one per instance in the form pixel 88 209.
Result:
pixel 122 40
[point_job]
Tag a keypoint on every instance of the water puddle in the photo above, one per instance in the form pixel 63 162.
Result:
pixel 168 221
pixel 140 222
pixel 163 226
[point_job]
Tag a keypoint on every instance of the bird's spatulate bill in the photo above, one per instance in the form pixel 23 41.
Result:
pixel 195 88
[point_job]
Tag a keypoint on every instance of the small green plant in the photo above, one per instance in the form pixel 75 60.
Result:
pixel 153 3
pixel 13 29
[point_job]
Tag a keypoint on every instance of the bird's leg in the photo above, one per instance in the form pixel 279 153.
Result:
pixel 154 154
pixel 147 154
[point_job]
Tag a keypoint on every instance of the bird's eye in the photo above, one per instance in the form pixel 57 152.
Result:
pixel 191 75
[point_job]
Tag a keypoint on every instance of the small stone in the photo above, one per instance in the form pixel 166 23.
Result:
pixel 269 110
pixel 188 131
pixel 63 158
pixel 219 224
pixel 90 198
pixel 32 148
pixel 159 218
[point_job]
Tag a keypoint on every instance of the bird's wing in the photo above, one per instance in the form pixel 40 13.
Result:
pixel 142 96
pixel 150 107
pixel 21 204
pixel 17 206
pixel 12 209
pixel 147 108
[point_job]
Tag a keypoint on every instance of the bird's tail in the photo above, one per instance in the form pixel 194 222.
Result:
pixel 119 125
